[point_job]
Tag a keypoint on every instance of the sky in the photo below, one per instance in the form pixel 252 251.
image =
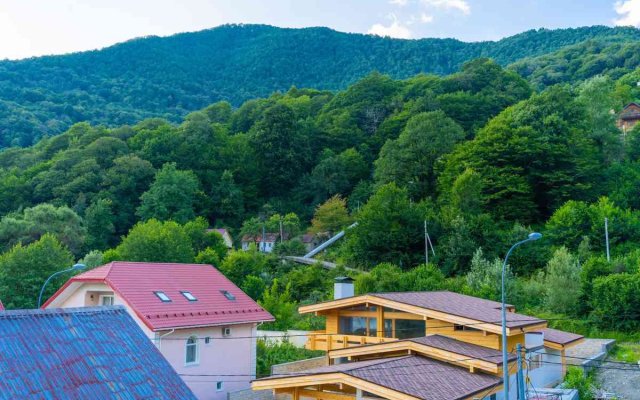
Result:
pixel 39 27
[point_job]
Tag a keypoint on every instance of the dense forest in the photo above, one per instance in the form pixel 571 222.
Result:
pixel 480 155
pixel 170 77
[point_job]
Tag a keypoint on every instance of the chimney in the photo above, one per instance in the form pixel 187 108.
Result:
pixel 343 287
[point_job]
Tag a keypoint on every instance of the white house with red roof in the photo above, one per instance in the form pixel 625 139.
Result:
pixel 203 324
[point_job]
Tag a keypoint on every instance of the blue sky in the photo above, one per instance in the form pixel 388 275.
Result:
pixel 38 27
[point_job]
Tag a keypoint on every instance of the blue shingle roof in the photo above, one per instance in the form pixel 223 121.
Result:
pixel 82 353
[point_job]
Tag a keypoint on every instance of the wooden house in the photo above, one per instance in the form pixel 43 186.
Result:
pixel 421 345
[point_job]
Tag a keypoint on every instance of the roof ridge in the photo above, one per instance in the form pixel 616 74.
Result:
pixel 61 311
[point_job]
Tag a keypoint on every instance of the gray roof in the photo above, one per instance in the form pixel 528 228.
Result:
pixel 416 376
pixel 461 305
pixel 560 337
pixel 466 350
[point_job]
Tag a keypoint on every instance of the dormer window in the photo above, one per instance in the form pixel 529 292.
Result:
pixel 188 296
pixel 228 295
pixel 162 296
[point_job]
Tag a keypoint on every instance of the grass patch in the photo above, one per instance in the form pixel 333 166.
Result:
pixel 626 352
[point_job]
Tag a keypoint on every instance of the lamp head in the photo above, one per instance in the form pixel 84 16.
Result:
pixel 78 267
pixel 535 236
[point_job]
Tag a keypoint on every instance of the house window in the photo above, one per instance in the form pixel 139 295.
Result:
pixel 106 300
pixel 218 386
pixel 228 295
pixel 410 328
pixel 207 340
pixel 226 331
pixel 191 351
pixel 535 360
pixel 188 296
pixel 162 296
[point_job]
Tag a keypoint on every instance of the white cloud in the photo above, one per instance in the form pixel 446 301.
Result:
pixel 394 30
pixel 629 12
pixel 458 5
pixel 426 18
pixel 400 3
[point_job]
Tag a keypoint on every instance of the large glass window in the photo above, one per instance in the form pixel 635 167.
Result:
pixel 388 328
pixel 191 350
pixel 409 328
pixel 352 326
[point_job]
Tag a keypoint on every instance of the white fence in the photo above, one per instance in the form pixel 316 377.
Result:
pixel 297 338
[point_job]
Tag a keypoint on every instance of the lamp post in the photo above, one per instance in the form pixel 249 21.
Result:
pixel 76 267
pixel 505 364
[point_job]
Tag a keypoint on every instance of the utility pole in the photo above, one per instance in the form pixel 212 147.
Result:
pixel 280 229
pixel 606 236
pixel 520 374
pixel 426 244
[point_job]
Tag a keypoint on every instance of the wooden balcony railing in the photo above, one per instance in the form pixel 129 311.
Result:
pixel 320 340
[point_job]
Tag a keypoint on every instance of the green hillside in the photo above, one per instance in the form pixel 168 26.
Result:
pixel 169 77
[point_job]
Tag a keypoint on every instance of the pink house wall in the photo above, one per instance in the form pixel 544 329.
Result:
pixel 223 356
pixel 233 355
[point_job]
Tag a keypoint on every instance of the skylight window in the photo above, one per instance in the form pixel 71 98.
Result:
pixel 228 295
pixel 188 296
pixel 163 297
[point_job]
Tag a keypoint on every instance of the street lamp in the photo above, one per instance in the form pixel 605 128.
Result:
pixel 76 267
pixel 505 365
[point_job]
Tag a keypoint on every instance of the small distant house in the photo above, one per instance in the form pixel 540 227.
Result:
pixel 82 353
pixel 228 241
pixel 266 244
pixel 629 117
pixel 200 321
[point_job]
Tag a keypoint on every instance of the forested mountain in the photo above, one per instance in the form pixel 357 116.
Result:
pixel 169 77
pixel 477 154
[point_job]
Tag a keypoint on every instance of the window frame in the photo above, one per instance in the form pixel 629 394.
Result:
pixel 160 294
pixel 219 386
pixel 192 341
pixel 188 295
pixel 106 296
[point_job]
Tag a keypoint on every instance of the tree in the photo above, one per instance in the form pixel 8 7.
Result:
pixel 279 303
pixel 466 193
pixel 281 148
pixel 409 160
pixel 98 219
pixel 616 303
pixel 240 264
pixel 154 241
pixel 331 216
pixel 254 287
pixel 172 196
pixel 227 198
pixel 562 281
pixel 32 223
pixel 389 230
pixel 485 277
pixel 24 269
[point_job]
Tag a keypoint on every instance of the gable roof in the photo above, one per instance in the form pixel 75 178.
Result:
pixel 89 352
pixel 630 112
pixel 445 302
pixel 137 282
pixel 416 376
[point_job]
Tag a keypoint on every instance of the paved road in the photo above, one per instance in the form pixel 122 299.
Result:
pixel 622 383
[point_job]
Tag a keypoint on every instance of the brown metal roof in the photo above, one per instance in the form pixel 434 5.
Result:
pixel 416 376
pixel 461 305
pixel 560 337
pixel 466 350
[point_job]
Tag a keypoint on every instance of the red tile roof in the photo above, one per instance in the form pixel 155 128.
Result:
pixel 461 305
pixel 416 376
pixel 560 337
pixel 136 283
